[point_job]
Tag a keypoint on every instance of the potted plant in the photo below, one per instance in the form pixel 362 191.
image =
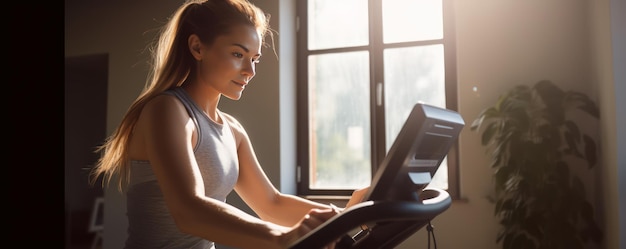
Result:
pixel 534 145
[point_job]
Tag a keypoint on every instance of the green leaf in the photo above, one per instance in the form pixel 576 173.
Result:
pixel 484 116
pixel 586 212
pixel 584 103
pixel 578 186
pixel 501 175
pixel 522 120
pixel 562 174
pixel 497 162
pixel 477 122
pixel 572 139
pixel 489 133
pixel 552 96
pixel 572 130
pixel 521 241
pixel 590 151
pixel 507 239
pixel 498 207
pixel 533 224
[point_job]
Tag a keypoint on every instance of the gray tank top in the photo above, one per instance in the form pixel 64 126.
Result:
pixel 150 224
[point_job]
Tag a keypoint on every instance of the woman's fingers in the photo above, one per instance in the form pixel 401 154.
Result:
pixel 315 218
pixel 357 196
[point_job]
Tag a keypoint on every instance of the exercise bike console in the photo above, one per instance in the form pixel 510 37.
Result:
pixel 399 201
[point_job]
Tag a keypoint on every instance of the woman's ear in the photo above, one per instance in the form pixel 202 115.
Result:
pixel 195 46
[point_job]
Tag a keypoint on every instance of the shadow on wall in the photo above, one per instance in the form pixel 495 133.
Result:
pixel 85 128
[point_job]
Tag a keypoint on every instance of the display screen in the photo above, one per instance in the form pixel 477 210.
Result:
pixel 419 148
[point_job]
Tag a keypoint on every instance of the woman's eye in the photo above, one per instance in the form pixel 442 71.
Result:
pixel 238 55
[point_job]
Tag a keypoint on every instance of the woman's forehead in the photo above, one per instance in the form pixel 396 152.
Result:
pixel 244 36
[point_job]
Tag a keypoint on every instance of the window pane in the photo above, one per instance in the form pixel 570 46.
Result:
pixel 334 24
pixel 412 75
pixel 412 20
pixel 339 121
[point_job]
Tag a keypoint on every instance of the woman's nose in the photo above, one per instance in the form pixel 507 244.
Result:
pixel 249 69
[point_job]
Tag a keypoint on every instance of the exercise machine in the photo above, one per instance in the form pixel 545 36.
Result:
pixel 399 201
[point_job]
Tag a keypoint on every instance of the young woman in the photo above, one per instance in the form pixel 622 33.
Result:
pixel 178 156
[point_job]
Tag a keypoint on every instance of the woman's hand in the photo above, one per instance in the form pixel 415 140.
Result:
pixel 316 217
pixel 308 223
pixel 357 196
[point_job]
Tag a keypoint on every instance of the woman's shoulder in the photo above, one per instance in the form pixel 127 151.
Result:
pixel 232 121
pixel 163 100
pixel 164 105
pixel 234 124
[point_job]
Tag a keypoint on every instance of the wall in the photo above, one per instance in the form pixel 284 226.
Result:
pixel 608 60
pixel 85 106
pixel 120 29
pixel 616 197
pixel 499 44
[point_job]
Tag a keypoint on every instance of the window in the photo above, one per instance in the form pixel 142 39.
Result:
pixel 362 65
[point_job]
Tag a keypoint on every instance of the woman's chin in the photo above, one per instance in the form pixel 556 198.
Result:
pixel 233 96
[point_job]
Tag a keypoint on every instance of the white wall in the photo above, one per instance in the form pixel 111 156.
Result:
pixel 500 43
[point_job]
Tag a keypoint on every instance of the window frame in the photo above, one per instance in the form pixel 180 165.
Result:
pixel 376 49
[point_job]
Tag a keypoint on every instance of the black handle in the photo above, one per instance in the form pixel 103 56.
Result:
pixel 373 214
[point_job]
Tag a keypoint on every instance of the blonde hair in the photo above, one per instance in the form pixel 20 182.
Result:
pixel 172 63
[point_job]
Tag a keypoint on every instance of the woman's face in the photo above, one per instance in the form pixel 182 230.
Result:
pixel 229 63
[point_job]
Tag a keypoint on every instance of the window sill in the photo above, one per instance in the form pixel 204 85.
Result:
pixel 339 200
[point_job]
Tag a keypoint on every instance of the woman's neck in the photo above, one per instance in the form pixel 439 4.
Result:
pixel 205 99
